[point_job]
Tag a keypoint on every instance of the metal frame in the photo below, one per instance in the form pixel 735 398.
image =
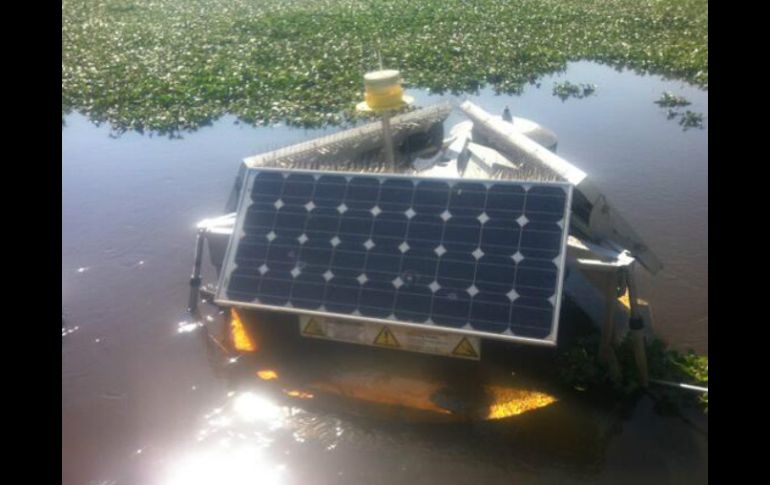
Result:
pixel 248 181
pixel 562 266
pixel 604 221
pixel 410 176
pixel 361 138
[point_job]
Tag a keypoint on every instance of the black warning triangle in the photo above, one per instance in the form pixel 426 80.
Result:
pixel 314 328
pixel 386 338
pixel 465 349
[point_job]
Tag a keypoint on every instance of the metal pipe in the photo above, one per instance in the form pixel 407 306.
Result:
pixel 195 277
pixel 349 144
pixel 606 350
pixel 636 328
pixel 604 221
pixel 388 139
pixel 680 385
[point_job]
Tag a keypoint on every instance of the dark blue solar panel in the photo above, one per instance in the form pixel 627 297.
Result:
pixel 481 256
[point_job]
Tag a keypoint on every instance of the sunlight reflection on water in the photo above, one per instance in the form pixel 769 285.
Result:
pixel 225 465
pixel 232 445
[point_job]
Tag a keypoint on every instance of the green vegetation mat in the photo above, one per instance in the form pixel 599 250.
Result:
pixel 580 366
pixel 169 65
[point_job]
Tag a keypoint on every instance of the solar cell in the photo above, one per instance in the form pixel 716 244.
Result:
pixel 481 257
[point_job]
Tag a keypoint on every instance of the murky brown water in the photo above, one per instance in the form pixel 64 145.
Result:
pixel 140 403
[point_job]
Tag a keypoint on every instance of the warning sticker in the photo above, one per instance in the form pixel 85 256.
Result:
pixel 393 337
pixel 465 349
pixel 386 338
pixel 314 328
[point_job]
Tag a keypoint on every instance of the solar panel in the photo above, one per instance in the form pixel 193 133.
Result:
pixel 482 257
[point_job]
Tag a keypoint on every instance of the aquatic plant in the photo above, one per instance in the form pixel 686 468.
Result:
pixel 688 119
pixel 174 65
pixel 693 367
pixel 566 89
pixel 669 100
pixel 580 367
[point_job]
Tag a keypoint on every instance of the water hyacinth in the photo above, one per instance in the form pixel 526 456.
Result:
pixel 669 100
pixel 567 90
pixel 690 119
pixel 687 119
pixel 174 65
pixel 580 367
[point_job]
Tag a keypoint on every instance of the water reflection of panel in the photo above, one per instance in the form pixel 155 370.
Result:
pixel 481 257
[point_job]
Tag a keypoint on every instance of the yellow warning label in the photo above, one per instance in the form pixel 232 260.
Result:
pixel 314 328
pixel 386 338
pixel 465 349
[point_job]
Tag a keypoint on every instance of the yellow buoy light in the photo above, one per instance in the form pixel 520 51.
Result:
pixel 383 91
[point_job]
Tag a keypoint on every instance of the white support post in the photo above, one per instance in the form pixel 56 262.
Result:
pixel 637 329
pixel 606 349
